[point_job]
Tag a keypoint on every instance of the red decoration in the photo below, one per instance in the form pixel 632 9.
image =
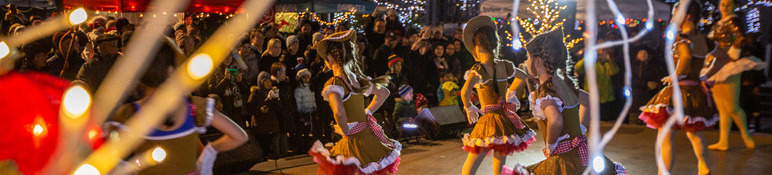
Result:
pixel 195 6
pixel 30 111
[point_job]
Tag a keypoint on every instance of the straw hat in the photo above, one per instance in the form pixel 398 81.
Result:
pixel 338 37
pixel 472 26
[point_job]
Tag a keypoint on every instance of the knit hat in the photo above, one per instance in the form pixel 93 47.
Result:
pixel 393 59
pixel 291 39
pixel 318 36
pixel 404 89
pixel 420 100
pixel 263 76
pixel 302 73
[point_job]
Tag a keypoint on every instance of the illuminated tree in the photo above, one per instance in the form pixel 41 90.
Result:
pixel 547 13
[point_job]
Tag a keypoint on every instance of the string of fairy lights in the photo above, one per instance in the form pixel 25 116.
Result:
pixel 408 11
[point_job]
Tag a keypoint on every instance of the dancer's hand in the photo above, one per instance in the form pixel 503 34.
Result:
pixel 206 160
pixel 472 114
pixel 512 97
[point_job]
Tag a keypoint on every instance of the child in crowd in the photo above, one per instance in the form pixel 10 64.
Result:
pixel 306 106
pixel 448 91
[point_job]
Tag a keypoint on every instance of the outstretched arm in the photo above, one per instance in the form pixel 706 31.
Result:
pixel 584 108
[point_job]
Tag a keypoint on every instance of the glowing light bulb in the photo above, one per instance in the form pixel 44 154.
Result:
pixel 670 35
pixel 78 16
pixel 159 154
pixel 200 66
pixel 86 169
pixel 516 44
pixel 76 101
pixel 4 50
pixel 598 164
pixel 649 25
pixel 627 92
pixel 37 130
pixel 620 20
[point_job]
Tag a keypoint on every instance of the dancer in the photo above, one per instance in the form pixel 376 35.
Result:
pixel 724 71
pixel 560 109
pixel 698 114
pixel 364 149
pixel 499 129
pixel 179 134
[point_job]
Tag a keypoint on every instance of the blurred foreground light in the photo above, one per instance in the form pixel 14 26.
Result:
pixel 620 20
pixel 410 126
pixel 78 16
pixel 159 154
pixel 627 91
pixel 37 130
pixel 4 50
pixel 86 169
pixel 76 101
pixel 516 44
pixel 649 25
pixel 200 66
pixel 598 164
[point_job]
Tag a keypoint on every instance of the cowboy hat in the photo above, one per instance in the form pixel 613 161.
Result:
pixel 472 26
pixel 322 48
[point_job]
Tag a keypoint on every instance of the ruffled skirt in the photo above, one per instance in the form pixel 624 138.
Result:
pixel 734 68
pixel 497 132
pixel 698 113
pixel 361 153
pixel 566 163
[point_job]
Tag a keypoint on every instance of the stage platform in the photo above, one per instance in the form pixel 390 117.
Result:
pixel 633 146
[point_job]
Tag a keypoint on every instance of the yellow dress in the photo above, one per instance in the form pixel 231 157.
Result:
pixel 496 130
pixel 359 152
pixel 569 154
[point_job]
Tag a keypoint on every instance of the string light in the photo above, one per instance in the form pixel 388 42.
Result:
pixel 337 20
pixel 547 13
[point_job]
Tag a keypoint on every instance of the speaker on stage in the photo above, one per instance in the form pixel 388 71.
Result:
pixel 441 122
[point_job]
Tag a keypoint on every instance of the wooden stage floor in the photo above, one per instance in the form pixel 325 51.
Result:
pixel 633 146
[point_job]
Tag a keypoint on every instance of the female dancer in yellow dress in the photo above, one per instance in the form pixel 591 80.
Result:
pixel 364 149
pixel 499 129
pixel 560 109
pixel 698 113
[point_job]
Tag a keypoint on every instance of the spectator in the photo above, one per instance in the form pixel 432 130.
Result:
pixel 35 20
pixel 314 63
pixel 94 71
pixel 448 92
pixel 249 56
pixel 645 80
pixel 463 55
pixel 306 107
pixel 363 53
pixel 122 25
pixel 35 57
pixel 605 69
pixel 396 72
pixel 257 39
pixel 67 60
pixel 271 31
pixel 405 108
pixel 454 63
pixel 439 58
pixel 264 105
pixel 375 30
pixel 271 55
pixel 110 28
pixel 291 55
pixel 305 36
pixel 416 67
pixel 98 25
pixel 411 36
pixel 185 41
pixel 287 110
pixel 15 29
pixel 228 83
pixel 392 21
pixel 378 65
